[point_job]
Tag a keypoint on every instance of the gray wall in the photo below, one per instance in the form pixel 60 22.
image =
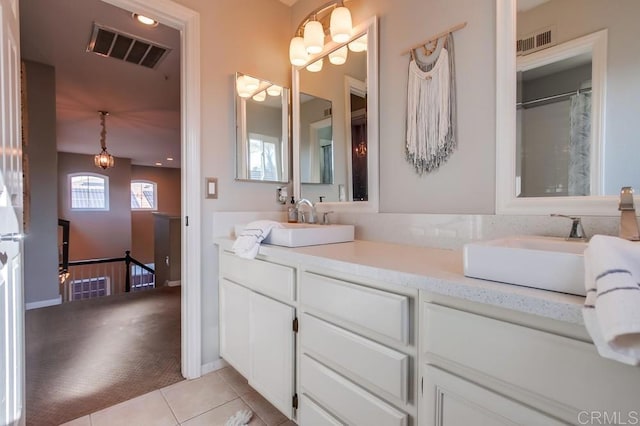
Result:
pixel 575 18
pixel 40 246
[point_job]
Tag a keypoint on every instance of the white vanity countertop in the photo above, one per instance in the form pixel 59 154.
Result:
pixel 435 270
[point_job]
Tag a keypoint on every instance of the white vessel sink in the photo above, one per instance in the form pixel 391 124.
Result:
pixel 307 234
pixel 547 263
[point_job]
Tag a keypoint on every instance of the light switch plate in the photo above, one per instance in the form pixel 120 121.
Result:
pixel 211 188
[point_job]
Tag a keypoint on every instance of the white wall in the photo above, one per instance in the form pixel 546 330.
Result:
pixel 252 37
pixel 41 244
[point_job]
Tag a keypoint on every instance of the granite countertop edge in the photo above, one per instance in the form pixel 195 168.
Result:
pixel 429 276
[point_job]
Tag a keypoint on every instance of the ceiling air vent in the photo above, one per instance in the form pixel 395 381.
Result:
pixel 108 42
pixel 536 41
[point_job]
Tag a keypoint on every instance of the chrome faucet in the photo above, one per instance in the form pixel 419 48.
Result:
pixel 577 231
pixel 302 217
pixel 628 222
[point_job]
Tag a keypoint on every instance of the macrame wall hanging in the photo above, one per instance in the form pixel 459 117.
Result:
pixel 431 103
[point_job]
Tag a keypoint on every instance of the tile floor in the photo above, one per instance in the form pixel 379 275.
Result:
pixel 209 400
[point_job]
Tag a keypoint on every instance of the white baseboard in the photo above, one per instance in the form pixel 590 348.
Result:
pixel 213 366
pixel 43 303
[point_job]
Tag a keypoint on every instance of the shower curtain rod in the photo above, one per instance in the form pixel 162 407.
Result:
pixel 553 97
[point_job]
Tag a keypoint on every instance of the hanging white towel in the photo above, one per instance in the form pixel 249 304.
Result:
pixel 248 242
pixel 612 308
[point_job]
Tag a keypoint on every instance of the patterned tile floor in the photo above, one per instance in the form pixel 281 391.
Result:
pixel 209 400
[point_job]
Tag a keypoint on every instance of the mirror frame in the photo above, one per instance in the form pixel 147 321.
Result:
pixel 240 117
pixel 506 200
pixel 369 27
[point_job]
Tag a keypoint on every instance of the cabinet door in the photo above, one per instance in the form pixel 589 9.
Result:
pixel 449 400
pixel 234 325
pixel 272 351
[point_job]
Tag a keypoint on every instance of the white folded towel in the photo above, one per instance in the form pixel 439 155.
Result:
pixel 248 242
pixel 612 308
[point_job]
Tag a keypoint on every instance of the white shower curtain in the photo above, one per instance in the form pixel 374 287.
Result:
pixel 580 144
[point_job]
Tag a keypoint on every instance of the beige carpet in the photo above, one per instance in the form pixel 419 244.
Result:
pixel 87 355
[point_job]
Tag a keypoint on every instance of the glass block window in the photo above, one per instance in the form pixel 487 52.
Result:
pixel 89 191
pixel 88 288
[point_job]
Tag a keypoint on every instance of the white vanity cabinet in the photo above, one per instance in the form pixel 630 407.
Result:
pixel 357 348
pixel 516 369
pixel 257 316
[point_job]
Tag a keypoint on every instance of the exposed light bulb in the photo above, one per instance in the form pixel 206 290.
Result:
pixel 339 57
pixel 274 90
pixel 313 37
pixel 340 25
pixel 316 66
pixel 298 55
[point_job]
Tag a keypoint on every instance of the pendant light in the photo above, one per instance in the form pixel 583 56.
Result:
pixel 340 25
pixel 339 57
pixel 104 160
pixel 313 37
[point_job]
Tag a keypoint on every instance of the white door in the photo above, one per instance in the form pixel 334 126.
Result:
pixel 11 302
pixel 272 349
pixel 234 325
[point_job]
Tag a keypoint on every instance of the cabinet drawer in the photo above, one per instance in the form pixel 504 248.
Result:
pixel 265 277
pixel 376 310
pixel 347 400
pixel 311 414
pixel 557 369
pixel 383 368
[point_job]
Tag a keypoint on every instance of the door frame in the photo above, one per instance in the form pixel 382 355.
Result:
pixel 187 22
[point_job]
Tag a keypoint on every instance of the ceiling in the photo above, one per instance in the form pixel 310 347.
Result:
pixel 143 103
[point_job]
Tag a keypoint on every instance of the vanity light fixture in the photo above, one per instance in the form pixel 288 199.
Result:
pixel 340 25
pixel 332 18
pixel 361 149
pixel 339 57
pixel 103 160
pixel 274 90
pixel 260 96
pixel 315 66
pixel 313 37
pixel 358 45
pixel 145 20
pixel 246 86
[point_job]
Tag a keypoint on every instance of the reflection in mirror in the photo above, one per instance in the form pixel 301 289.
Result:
pixel 341 119
pixel 556 148
pixel 539 178
pixel 262 130
pixel 316 140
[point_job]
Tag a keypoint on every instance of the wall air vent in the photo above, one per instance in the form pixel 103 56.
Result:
pixel 111 43
pixel 536 41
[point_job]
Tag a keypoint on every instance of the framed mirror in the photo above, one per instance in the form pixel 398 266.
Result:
pixel 565 97
pixel 335 124
pixel 262 130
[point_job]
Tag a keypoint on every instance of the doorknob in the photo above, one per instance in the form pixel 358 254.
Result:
pixel 13 236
